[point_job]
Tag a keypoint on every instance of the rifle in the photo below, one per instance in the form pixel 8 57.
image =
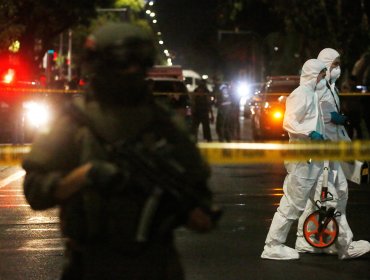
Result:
pixel 156 173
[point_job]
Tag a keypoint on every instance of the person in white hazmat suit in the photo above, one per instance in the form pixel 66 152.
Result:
pixel 338 186
pixel 303 121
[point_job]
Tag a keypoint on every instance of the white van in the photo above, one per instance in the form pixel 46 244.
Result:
pixel 191 79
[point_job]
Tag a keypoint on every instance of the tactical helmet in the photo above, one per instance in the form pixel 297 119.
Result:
pixel 111 54
pixel 119 45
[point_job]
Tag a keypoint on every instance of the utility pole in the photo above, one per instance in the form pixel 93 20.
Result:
pixel 69 55
pixel 60 55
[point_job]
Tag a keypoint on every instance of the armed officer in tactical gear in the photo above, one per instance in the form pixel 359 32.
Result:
pixel 122 168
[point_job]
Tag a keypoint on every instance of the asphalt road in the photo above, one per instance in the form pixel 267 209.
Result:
pixel 31 246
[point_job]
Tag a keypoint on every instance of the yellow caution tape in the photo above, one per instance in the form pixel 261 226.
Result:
pixel 38 90
pixel 13 154
pixel 248 153
pixel 287 93
pixel 4 89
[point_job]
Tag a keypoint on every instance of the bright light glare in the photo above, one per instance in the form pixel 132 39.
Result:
pixel 278 115
pixel 37 114
pixel 8 77
pixel 15 46
pixel 243 89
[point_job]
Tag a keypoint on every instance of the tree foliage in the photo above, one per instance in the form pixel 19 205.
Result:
pixel 31 21
pixel 294 30
pixel 135 5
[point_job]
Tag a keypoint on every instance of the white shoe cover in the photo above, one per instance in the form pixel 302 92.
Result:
pixel 302 246
pixel 279 252
pixel 355 250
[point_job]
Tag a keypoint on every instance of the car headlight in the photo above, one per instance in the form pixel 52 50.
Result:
pixel 36 114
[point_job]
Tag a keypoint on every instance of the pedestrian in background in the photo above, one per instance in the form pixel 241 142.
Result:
pixel 93 164
pixel 202 112
pixel 222 102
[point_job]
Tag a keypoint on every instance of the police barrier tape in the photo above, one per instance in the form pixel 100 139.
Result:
pixel 340 94
pixel 9 89
pixel 13 154
pixel 247 153
pixel 38 90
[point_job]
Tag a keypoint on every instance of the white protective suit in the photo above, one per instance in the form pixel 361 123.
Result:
pixel 337 184
pixel 302 116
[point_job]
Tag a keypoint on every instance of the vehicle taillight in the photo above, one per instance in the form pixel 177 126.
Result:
pixel 277 115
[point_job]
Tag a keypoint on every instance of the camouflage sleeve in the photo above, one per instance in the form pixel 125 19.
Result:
pixel 52 155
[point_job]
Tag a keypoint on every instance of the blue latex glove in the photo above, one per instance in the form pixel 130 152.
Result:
pixel 337 118
pixel 314 135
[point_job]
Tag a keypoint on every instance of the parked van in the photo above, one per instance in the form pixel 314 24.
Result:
pixel 191 79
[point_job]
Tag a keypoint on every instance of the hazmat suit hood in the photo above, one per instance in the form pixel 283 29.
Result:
pixel 310 70
pixel 302 115
pixel 327 56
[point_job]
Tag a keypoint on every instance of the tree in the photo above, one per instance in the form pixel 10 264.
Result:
pixel 36 23
pixel 295 30
pixel 340 24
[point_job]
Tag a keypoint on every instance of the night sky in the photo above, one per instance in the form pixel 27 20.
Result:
pixel 184 24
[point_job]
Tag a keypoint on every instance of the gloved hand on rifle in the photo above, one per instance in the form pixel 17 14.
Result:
pixel 337 118
pixel 104 176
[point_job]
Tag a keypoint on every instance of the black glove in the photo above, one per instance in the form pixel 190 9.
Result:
pixel 103 175
pixel 337 118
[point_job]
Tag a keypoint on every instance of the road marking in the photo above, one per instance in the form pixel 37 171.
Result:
pixel 13 205
pixel 14 177
pixel 29 249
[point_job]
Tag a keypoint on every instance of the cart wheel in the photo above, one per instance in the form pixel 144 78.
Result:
pixel 322 239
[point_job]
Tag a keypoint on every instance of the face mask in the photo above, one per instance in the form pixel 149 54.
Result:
pixel 335 74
